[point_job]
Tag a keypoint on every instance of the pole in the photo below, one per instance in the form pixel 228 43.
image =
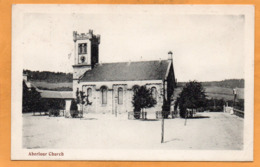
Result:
pixel 162 140
pixel 185 118
pixel 81 111
pixel 235 94
pixel 116 108
pixel 214 104
pixel 75 57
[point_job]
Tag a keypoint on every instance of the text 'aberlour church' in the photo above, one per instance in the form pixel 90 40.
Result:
pixel 110 86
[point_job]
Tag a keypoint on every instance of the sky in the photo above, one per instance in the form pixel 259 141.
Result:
pixel 205 46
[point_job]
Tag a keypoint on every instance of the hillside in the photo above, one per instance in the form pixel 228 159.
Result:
pixel 47 80
pixel 216 92
pixel 219 89
pixel 228 83
pixel 57 86
pixel 63 82
pixel 46 76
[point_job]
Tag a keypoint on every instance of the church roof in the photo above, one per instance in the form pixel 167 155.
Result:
pixel 128 71
pixel 56 94
pixel 49 94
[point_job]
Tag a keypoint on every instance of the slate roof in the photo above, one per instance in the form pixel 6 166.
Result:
pixel 127 71
pixel 56 94
pixel 48 94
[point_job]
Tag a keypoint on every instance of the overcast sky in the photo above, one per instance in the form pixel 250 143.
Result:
pixel 205 47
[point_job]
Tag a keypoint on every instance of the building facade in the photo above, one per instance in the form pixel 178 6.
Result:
pixel 110 86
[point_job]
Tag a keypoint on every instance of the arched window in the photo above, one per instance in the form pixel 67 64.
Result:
pixel 154 93
pixel 80 49
pixel 104 95
pixel 120 95
pixel 83 48
pixel 89 92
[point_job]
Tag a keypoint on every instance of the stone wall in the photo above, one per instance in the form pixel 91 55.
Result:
pixel 112 106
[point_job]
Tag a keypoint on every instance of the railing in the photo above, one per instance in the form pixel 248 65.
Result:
pixel 137 115
pixel 133 115
pixel 238 113
pixel 173 114
pixel 44 112
pixel 143 115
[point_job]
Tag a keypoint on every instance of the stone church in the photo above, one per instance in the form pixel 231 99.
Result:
pixel 110 86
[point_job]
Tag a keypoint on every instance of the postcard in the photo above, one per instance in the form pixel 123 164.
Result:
pixel 132 82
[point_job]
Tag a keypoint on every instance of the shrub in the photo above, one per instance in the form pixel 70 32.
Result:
pixel 74 109
pixel 73 105
pixel 142 99
pixel 137 114
pixel 215 105
pixel 166 110
pixel 54 112
pixel 239 104
pixel 74 113
pixel 192 96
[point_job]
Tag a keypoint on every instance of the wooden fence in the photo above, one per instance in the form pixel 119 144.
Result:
pixel 238 113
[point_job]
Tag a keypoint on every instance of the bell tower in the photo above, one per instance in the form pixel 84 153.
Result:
pixel 86 48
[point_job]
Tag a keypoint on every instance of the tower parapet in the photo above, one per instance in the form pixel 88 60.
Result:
pixel 86 36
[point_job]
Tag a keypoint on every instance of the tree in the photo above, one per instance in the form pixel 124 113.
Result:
pixel 143 99
pixel 74 109
pixel 80 99
pixel 192 97
pixel 31 99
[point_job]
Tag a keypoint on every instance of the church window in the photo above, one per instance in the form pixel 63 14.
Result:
pixel 89 92
pixel 154 93
pixel 120 95
pixel 79 50
pixel 104 95
pixel 82 48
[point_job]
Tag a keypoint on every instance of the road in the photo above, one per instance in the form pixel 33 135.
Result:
pixel 209 131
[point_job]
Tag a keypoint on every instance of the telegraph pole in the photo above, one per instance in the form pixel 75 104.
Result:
pixel 235 96
pixel 164 99
pixel 162 139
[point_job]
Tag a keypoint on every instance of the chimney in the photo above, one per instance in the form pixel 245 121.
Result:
pixel 170 55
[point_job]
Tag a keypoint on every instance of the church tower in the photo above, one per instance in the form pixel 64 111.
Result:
pixel 85 52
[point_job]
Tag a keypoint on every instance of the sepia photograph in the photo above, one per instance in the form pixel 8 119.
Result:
pixel 132 82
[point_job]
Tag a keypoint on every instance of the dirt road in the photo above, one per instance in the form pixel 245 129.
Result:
pixel 209 131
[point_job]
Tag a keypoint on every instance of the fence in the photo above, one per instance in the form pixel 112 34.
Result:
pixel 234 111
pixel 137 115
pixel 173 114
pixel 238 113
